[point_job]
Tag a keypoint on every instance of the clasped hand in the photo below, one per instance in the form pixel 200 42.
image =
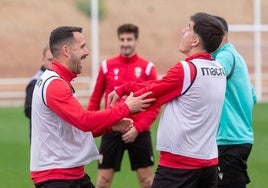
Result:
pixel 123 126
pixel 135 104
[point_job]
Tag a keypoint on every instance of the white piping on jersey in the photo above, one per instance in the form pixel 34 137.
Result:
pixel 104 66
pixel 148 68
pixel 187 76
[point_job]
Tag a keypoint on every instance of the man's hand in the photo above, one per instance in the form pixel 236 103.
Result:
pixel 138 104
pixel 123 125
pixel 112 98
pixel 130 136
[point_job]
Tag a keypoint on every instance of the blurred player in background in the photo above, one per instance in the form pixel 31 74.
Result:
pixel 46 61
pixel 235 135
pixel 127 66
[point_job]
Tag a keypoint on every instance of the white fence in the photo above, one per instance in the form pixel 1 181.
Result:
pixel 12 90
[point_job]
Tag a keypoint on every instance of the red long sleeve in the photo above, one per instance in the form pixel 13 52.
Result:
pixel 61 100
pixel 116 71
pixel 164 90
pixel 97 94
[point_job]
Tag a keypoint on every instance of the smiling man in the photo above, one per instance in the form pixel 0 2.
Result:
pixel 127 66
pixel 62 131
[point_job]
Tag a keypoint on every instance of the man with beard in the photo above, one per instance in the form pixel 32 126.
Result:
pixel 62 131
pixel 127 66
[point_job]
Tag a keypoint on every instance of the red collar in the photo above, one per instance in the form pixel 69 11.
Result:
pixel 64 73
pixel 128 59
pixel 199 56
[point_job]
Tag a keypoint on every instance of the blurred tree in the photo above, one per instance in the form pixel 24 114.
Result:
pixel 85 7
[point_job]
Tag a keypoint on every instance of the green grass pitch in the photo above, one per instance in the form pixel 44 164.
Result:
pixel 14 156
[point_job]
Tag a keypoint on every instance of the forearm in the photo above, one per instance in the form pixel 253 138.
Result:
pixel 61 101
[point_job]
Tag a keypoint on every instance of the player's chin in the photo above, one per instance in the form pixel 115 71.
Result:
pixel 126 52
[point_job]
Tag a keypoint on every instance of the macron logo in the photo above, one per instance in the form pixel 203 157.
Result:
pixel 206 71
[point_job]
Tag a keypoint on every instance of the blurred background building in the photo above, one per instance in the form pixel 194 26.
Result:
pixel 26 25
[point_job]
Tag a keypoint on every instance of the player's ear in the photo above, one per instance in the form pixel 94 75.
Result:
pixel 66 50
pixel 196 41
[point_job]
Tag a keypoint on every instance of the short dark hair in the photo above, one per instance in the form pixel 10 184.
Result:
pixel 223 22
pixel 128 28
pixel 209 29
pixel 60 36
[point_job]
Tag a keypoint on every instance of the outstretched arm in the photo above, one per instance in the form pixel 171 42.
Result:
pixel 61 100
pixel 172 85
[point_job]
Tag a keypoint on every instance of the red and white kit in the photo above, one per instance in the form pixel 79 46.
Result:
pixel 118 70
pixel 62 140
pixel 186 134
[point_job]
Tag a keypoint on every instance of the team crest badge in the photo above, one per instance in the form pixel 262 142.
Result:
pixel 138 72
pixel 116 71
